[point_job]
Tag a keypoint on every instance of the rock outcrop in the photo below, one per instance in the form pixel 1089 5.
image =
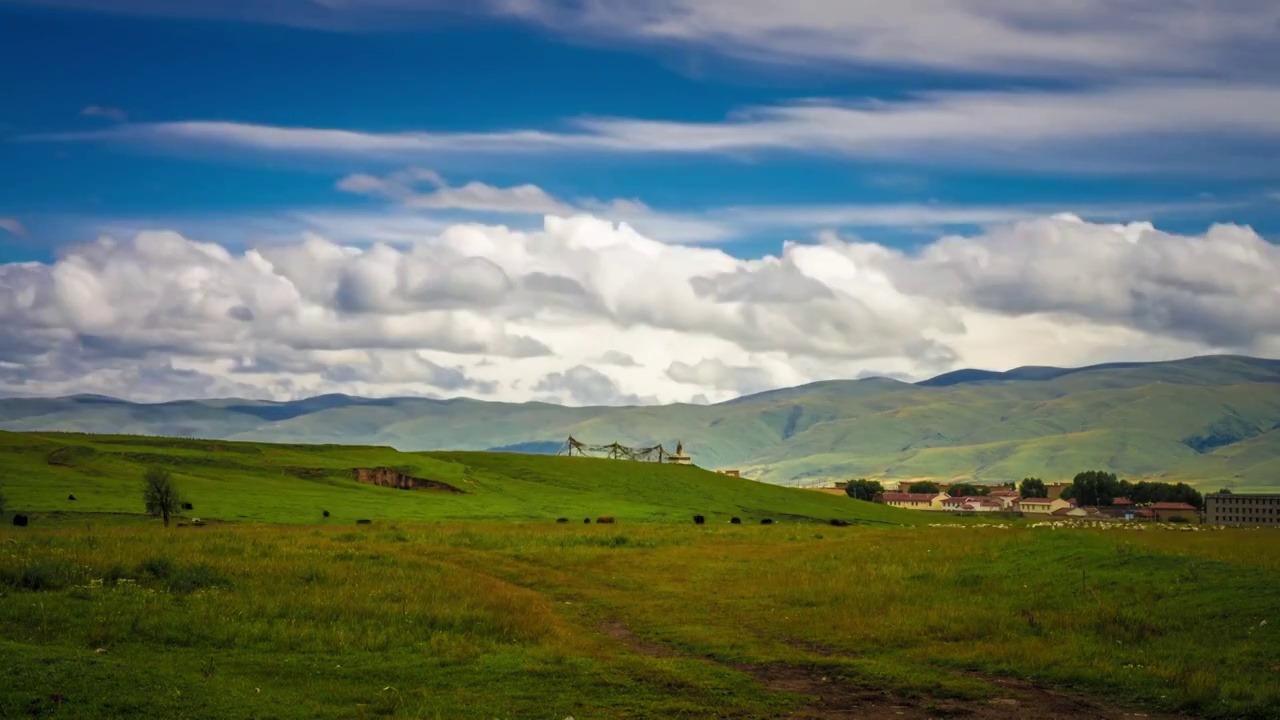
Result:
pixel 387 477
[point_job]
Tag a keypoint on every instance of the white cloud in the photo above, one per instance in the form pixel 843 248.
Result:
pixel 583 311
pixel 13 226
pixel 1123 128
pixel 1196 37
pixel 102 111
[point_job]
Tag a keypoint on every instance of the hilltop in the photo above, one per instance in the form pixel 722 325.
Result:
pixel 297 483
pixel 1210 419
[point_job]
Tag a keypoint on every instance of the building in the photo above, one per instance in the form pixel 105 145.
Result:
pixel 1242 509
pixel 1120 507
pixel 914 501
pixel 1055 489
pixel 1042 506
pixel 678 457
pixel 975 503
pixel 1007 498
pixel 730 473
pixel 1166 511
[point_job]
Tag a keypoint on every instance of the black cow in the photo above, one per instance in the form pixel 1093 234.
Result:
pixel 735 521
pixel 586 521
pixel 20 520
pixel 325 513
pixel 840 523
pixel 767 521
pixel 562 520
pixel 698 519
pixel 187 506
pixel 364 522
pixel 72 496
pixel 606 520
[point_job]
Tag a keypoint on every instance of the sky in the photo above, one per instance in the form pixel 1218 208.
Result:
pixel 626 201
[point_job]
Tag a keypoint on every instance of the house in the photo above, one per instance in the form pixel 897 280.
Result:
pixel 1119 507
pixel 730 473
pixel 1167 511
pixel 1242 509
pixel 1043 506
pixel 913 501
pixel 1055 489
pixel 975 503
pixel 1082 512
pixel 1006 498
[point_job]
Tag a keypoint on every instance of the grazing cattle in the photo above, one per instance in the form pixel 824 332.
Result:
pixel 735 521
pixel 562 520
pixel 325 513
pixel 72 496
pixel 586 521
pixel 698 519
pixel 363 522
pixel 606 520
pixel 840 523
pixel 188 506
pixel 20 520
pixel 767 521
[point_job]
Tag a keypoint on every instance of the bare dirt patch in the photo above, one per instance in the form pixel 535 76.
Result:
pixel 388 477
pixel 835 698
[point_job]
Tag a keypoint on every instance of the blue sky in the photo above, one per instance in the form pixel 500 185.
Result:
pixel 435 71
pixel 432 195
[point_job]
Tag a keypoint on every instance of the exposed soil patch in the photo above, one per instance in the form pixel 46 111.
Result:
pixel 387 477
pixel 621 633
pixel 835 698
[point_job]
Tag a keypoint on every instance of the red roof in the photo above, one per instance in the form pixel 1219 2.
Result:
pixel 1121 501
pixel 1171 506
pixel 908 497
pixel 1044 501
pixel 1004 493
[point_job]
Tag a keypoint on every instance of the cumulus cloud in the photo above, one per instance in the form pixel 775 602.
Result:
pixel 588 312
pixel 405 187
pixel 717 374
pixel 585 386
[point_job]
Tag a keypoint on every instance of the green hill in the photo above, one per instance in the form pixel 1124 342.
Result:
pixel 297 483
pixel 1208 420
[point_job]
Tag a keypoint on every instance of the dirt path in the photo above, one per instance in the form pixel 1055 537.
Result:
pixel 834 698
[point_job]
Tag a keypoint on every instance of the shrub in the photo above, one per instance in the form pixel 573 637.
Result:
pixel 38 575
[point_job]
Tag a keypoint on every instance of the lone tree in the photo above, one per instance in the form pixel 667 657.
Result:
pixel 863 489
pixel 926 486
pixel 160 494
pixel 1033 487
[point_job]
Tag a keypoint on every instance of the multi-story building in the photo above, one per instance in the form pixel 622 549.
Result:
pixel 1242 509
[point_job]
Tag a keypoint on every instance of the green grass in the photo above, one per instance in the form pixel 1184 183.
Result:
pixel 296 484
pixel 508 620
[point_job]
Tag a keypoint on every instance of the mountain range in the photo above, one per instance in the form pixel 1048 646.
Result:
pixel 1213 420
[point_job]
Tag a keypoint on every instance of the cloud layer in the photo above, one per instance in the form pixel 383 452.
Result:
pixel 1110 129
pixel 588 312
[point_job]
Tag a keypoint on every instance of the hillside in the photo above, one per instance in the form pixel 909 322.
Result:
pixel 296 483
pixel 1209 419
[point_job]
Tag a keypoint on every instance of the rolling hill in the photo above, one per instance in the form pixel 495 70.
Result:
pixel 1212 419
pixel 297 483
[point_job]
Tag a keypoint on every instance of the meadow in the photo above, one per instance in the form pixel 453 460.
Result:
pixel 106 613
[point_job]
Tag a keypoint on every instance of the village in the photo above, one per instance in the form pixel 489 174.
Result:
pixel 1008 500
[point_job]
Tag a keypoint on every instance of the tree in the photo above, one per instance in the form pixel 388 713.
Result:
pixel 965 489
pixel 1033 487
pixel 160 494
pixel 926 486
pixel 863 489
pixel 1096 487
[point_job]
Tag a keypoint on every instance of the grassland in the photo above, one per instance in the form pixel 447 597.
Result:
pixel 296 484
pixel 445 607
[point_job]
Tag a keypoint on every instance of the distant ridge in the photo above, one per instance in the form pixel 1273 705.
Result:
pixel 1211 419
